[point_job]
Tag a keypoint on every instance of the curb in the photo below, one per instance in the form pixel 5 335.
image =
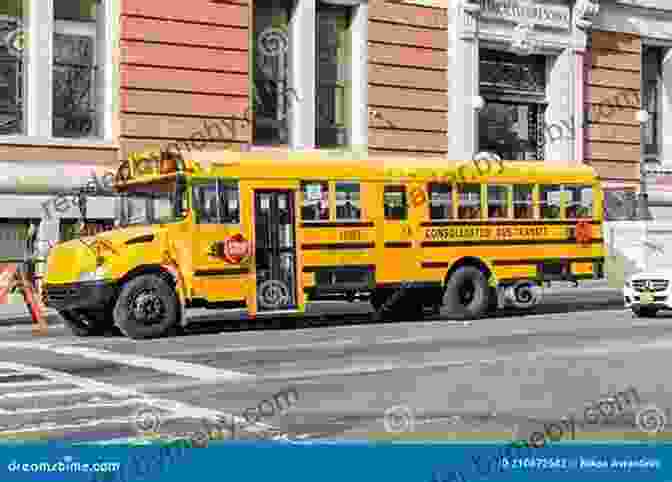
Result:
pixel 52 319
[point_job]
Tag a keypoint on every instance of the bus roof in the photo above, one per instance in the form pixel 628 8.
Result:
pixel 338 165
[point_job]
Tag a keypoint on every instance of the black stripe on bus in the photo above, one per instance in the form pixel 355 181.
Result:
pixel 398 244
pixel 222 272
pixel 315 269
pixel 338 246
pixel 515 262
pixel 440 264
pixel 503 242
pixel 508 222
pixel 338 225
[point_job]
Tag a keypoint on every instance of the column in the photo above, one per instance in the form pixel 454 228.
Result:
pixel 38 84
pixel 302 75
pixel 358 132
pixel 463 82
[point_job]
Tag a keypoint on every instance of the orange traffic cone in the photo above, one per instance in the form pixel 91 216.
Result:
pixel 34 305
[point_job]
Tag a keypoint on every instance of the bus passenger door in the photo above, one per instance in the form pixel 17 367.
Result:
pixel 396 234
pixel 275 250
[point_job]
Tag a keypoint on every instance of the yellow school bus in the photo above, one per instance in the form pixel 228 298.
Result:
pixel 268 232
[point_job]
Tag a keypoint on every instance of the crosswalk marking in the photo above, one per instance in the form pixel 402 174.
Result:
pixel 24 421
pixel 165 365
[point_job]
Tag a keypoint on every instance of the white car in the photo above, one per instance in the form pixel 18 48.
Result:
pixel 647 292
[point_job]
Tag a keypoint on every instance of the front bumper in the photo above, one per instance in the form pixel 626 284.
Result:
pixel 661 299
pixel 90 294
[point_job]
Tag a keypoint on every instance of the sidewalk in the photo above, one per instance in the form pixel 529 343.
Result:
pixel 15 314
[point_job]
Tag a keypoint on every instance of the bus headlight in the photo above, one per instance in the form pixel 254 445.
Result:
pixel 96 275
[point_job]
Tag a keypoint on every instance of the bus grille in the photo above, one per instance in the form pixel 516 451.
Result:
pixel 653 285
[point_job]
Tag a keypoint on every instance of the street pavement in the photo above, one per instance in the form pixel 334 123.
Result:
pixel 499 378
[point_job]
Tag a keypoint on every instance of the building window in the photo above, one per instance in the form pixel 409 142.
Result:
pixel 332 60
pixel 514 87
pixel 12 67
pixel 315 202
pixel 72 101
pixel 271 87
pixel 75 89
pixel 652 61
pixel 348 201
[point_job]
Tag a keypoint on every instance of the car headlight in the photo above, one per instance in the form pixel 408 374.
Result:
pixel 96 275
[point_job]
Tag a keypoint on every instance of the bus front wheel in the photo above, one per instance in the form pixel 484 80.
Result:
pixel 147 307
pixel 467 294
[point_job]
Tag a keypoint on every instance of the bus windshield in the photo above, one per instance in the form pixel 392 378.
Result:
pixel 147 204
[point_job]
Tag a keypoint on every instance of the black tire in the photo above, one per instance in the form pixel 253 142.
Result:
pixel 87 323
pixel 395 305
pixel 467 294
pixel 644 312
pixel 160 306
pixel 493 304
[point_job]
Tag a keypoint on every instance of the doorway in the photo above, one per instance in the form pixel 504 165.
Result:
pixel 275 248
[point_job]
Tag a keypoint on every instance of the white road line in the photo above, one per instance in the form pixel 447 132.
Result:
pixel 50 393
pixel 179 410
pixel 77 406
pixel 580 352
pixel 28 385
pixel 164 365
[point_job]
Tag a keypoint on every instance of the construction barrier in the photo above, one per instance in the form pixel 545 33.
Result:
pixel 16 279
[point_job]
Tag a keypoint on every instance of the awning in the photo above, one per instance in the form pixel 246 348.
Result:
pixel 52 177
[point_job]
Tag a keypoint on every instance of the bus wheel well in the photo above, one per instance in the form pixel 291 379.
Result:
pixel 148 269
pixel 468 261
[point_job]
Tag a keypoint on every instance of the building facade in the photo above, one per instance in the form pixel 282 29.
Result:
pixel 83 83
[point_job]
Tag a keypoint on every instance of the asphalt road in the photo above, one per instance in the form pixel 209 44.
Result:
pixel 496 378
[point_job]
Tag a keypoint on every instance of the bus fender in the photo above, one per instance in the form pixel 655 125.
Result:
pixel 179 289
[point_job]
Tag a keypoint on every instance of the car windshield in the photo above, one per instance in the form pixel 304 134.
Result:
pixel 147 204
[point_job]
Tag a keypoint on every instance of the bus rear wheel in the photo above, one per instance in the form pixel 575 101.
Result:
pixel 147 307
pixel 644 312
pixel 399 304
pixel 467 294
pixel 87 323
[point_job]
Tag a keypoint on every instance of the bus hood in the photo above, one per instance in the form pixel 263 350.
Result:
pixel 77 260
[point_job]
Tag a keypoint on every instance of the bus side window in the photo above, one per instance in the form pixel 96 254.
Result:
pixel 549 201
pixel 396 205
pixel 469 206
pixel 579 202
pixel 497 202
pixel 523 207
pixel 348 207
pixel 315 201
pixel 229 202
pixel 205 203
pixel 440 201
